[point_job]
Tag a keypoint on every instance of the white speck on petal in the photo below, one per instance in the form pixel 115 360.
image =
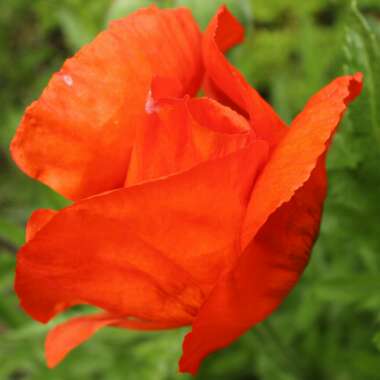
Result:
pixel 68 80
pixel 150 105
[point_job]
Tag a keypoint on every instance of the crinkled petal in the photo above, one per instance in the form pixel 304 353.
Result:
pixel 281 226
pixel 226 83
pixel 266 272
pixel 77 137
pixel 296 156
pixel 141 251
pixel 178 134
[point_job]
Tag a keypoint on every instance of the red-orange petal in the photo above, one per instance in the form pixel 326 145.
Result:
pixel 296 156
pixel 141 250
pixel 178 134
pixel 37 220
pixel 70 334
pixel 227 84
pixel 77 137
pixel 290 192
pixel 266 272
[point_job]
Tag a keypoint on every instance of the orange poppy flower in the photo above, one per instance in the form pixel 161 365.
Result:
pixel 187 211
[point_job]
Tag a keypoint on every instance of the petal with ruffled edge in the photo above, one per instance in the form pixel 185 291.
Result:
pixel 226 83
pixel 151 251
pixel 282 223
pixel 179 134
pixel 297 154
pixel 77 137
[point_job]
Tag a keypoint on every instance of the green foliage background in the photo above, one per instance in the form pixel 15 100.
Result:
pixel 329 327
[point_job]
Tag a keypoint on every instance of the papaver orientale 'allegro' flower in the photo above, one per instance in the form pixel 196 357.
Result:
pixel 198 211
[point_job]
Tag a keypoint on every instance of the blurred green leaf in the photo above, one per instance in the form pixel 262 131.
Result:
pixel 121 8
pixel 12 233
pixel 363 54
